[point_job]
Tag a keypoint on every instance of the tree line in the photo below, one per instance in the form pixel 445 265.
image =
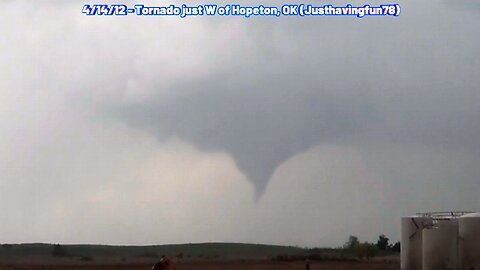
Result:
pixel 368 250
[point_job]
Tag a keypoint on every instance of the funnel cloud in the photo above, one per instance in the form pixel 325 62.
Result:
pixel 260 128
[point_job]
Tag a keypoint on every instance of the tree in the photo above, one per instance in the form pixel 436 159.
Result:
pixel 395 247
pixel 382 242
pixel 352 243
pixel 366 250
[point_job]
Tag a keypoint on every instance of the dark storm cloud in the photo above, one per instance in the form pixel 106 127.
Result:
pixel 409 80
pixel 260 121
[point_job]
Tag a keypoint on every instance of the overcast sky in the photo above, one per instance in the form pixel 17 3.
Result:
pixel 299 131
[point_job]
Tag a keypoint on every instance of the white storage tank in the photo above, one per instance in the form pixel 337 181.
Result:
pixel 411 243
pixel 469 241
pixel 440 245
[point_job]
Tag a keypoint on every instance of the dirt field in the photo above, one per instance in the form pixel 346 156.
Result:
pixel 264 265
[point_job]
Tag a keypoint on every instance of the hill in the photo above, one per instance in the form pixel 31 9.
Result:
pixel 201 251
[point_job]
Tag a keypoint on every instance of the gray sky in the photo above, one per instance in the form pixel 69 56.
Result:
pixel 302 131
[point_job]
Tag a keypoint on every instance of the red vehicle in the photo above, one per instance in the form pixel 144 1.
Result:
pixel 164 264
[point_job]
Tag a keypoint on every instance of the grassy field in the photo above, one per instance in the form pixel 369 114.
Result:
pixel 225 265
pixel 208 256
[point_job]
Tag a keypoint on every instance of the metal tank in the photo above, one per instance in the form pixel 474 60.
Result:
pixel 469 241
pixel 440 244
pixel 411 243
